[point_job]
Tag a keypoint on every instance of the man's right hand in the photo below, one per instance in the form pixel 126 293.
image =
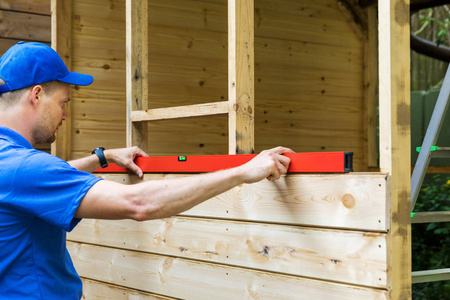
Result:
pixel 270 164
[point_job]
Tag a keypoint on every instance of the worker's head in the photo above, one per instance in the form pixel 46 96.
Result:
pixel 35 85
pixel 28 64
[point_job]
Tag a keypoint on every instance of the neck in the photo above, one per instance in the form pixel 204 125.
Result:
pixel 15 119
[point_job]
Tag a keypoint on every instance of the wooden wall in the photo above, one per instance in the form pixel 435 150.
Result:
pixel 24 20
pixel 98 48
pixel 308 76
pixel 302 237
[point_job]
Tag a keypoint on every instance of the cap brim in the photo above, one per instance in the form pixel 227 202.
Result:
pixel 77 78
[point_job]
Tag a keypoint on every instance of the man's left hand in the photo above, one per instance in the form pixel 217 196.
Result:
pixel 124 157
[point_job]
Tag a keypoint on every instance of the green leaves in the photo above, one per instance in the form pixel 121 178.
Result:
pixel 431 242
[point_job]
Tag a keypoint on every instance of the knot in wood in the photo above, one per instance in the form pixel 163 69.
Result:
pixel 348 201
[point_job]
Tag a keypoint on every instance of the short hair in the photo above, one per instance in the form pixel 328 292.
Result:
pixel 13 97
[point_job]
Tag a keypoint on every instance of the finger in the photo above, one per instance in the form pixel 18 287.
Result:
pixel 133 167
pixel 281 150
pixel 284 160
pixel 140 153
pixel 282 169
pixel 274 175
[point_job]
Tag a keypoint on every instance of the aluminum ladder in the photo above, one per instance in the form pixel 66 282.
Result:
pixel 427 151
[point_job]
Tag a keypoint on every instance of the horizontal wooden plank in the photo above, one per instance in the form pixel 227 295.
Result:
pixel 208 16
pixel 216 108
pixel 25 26
pixel 187 42
pixel 94 290
pixel 180 278
pixel 101 18
pixel 191 136
pixel 84 46
pixel 105 63
pixel 212 15
pixel 103 78
pixel 204 15
pixel 312 30
pixel 354 200
pixel 274 80
pixel 85 140
pixel 35 6
pixel 97 113
pixel 343 256
pixel 319 9
pixel 166 86
pixel 307 55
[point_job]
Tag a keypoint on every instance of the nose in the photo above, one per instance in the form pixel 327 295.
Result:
pixel 64 114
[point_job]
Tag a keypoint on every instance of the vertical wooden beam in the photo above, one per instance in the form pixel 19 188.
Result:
pixel 137 70
pixel 394 70
pixel 371 88
pixel 241 84
pixel 61 11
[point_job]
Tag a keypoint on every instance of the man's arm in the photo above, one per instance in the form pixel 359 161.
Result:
pixel 123 157
pixel 164 198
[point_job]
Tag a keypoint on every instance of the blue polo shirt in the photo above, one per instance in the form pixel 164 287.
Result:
pixel 39 194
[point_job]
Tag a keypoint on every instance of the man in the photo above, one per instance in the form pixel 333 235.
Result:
pixel 43 197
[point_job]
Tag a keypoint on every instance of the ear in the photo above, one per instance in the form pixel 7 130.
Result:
pixel 36 94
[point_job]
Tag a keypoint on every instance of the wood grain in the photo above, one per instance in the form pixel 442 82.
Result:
pixel 395 135
pixel 94 290
pixel 196 110
pixel 180 278
pixel 241 77
pixel 355 201
pixel 345 256
pixel 35 6
pixel 24 26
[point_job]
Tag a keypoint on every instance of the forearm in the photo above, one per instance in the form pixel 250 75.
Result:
pixel 123 157
pixel 155 198
pixel 165 198
pixel 88 164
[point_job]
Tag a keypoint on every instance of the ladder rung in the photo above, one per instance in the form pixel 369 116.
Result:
pixel 432 216
pixel 441 152
pixel 430 275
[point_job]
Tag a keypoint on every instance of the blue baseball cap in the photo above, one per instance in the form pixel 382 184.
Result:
pixel 28 64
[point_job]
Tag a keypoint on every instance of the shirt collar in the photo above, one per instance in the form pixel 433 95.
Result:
pixel 14 138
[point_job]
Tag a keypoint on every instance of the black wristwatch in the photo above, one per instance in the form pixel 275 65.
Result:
pixel 101 156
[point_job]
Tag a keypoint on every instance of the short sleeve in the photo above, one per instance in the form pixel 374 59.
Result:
pixel 50 189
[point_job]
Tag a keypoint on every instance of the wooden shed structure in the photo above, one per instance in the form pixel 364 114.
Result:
pixel 185 77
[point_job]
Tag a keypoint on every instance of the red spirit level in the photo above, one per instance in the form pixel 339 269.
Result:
pixel 313 162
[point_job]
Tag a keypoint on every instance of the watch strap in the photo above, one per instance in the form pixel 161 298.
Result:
pixel 101 156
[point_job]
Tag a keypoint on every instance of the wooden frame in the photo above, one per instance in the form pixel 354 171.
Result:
pixel 137 69
pixel 394 91
pixel 240 104
pixel 241 90
pixel 384 221
pixel 62 43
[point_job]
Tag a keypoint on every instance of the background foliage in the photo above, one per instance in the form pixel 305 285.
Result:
pixel 431 24
pixel 431 241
